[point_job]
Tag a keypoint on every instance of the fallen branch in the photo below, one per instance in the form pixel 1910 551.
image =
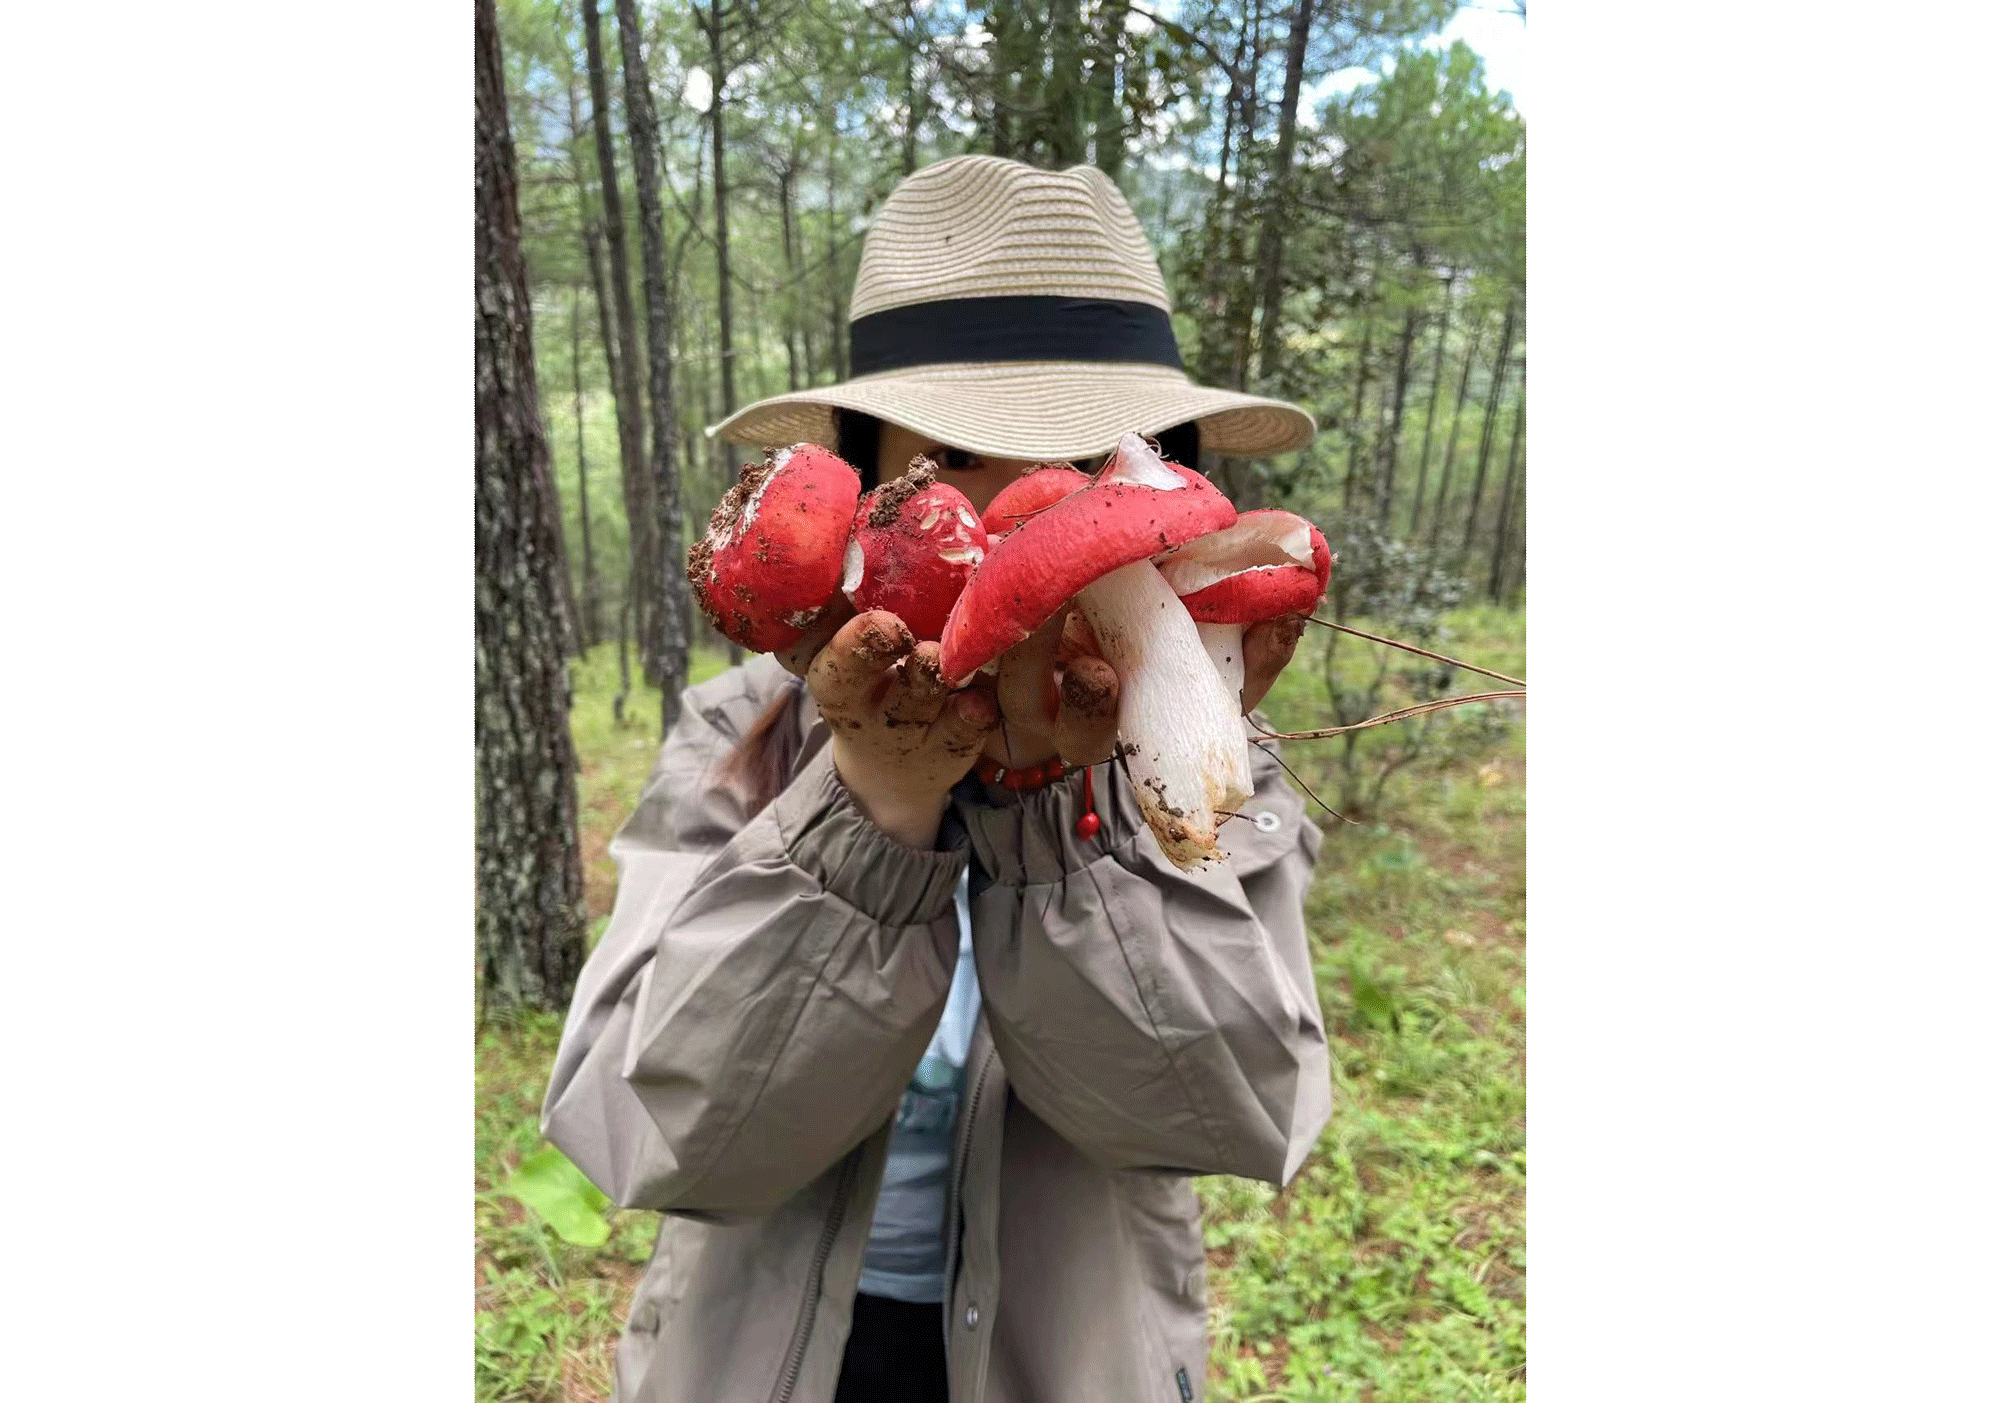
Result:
pixel 1413 648
pixel 1387 717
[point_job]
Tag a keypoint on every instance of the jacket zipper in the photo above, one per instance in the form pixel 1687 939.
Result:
pixel 795 1357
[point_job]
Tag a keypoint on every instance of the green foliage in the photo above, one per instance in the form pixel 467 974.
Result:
pixel 557 1191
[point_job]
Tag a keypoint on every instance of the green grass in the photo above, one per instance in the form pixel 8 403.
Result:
pixel 1391 1270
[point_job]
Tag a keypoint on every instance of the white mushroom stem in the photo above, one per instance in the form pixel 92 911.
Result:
pixel 1179 723
pixel 1224 644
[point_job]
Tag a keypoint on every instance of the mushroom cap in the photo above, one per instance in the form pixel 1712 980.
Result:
pixel 1137 506
pixel 1028 495
pixel 771 560
pixel 1265 564
pixel 916 542
pixel 1254 594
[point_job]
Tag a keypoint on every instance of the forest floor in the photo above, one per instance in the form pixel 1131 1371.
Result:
pixel 1391 1270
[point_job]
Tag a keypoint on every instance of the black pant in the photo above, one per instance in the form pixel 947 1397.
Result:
pixel 895 1353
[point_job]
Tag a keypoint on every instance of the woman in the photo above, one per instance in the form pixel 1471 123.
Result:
pixel 916 1069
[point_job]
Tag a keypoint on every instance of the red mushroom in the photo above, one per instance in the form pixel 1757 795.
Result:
pixel 916 542
pixel 1267 564
pixel 1180 730
pixel 1028 496
pixel 771 561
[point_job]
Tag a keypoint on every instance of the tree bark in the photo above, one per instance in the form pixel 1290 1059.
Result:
pixel 725 325
pixel 1212 326
pixel 591 618
pixel 1493 393
pixel 640 510
pixel 693 322
pixel 1354 434
pixel 667 583
pixel 836 337
pixel 1451 441
pixel 1000 23
pixel 1502 531
pixel 1385 492
pixel 1430 415
pixel 1062 93
pixel 1276 205
pixel 1242 292
pixel 1107 140
pixel 625 645
pixel 910 117
pixel 529 921
pixel 791 301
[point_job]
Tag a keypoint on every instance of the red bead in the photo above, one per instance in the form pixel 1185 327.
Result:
pixel 1086 827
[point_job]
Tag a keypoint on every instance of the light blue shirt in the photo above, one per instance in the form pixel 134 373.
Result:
pixel 905 1257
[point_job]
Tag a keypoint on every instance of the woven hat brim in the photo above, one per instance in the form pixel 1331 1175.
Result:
pixel 1030 409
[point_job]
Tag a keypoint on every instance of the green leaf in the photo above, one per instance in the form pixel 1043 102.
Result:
pixel 558 1193
pixel 1370 1001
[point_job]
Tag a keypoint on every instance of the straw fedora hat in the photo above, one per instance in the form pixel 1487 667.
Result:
pixel 1019 312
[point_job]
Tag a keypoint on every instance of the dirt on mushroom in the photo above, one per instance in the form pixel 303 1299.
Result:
pixel 888 499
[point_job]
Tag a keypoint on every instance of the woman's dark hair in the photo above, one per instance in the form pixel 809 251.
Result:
pixel 857 438
pixel 761 762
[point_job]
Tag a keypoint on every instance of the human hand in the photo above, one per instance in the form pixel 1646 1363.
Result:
pixel 799 657
pixel 1056 697
pixel 900 738
pixel 1267 648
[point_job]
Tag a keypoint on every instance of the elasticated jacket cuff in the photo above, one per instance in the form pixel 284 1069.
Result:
pixel 828 836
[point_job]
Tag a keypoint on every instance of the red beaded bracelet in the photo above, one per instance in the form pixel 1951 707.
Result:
pixel 1039 776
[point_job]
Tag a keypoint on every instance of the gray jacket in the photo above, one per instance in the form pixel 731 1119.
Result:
pixel 744 1031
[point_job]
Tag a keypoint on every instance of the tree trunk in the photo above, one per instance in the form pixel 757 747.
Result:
pixel 836 333
pixel 1451 440
pixel 724 322
pixel 910 118
pixel 1493 393
pixel 1242 293
pixel 1277 189
pixel 1430 415
pixel 1211 310
pixel 1107 139
pixel 1354 434
pixel 1000 23
pixel 594 251
pixel 592 618
pixel 1385 492
pixel 667 583
pixel 1501 532
pixel 624 645
pixel 791 275
pixel 1062 94
pixel 640 511
pixel 695 382
pixel 529 920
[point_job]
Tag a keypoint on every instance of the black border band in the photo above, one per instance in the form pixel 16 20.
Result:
pixel 969 330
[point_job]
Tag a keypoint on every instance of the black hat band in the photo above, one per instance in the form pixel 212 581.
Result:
pixel 973 330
